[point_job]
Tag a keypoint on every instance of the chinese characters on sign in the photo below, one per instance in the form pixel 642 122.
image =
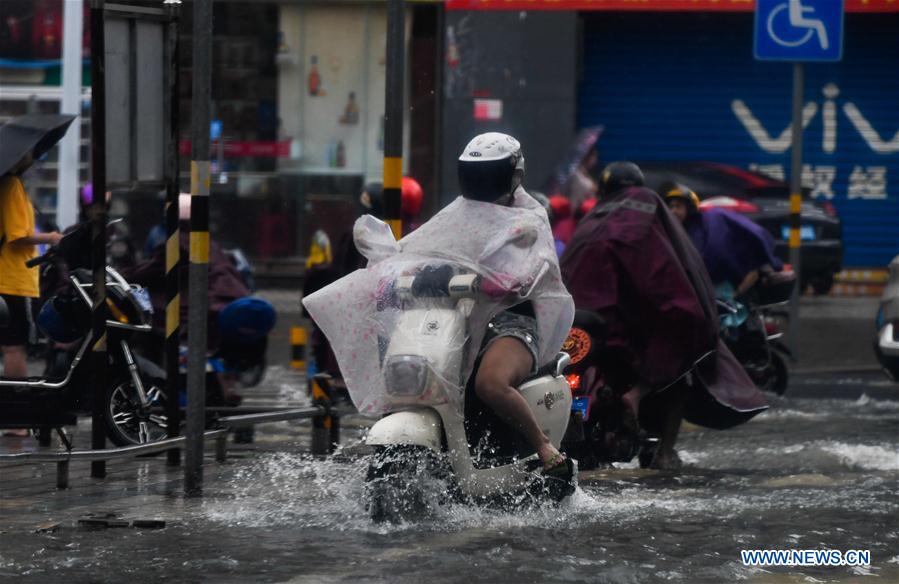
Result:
pixel 865 182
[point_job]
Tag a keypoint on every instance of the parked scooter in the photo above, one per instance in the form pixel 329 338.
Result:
pixel 886 342
pixel 133 384
pixel 425 435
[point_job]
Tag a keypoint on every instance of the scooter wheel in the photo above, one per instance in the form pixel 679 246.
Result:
pixel 780 376
pixel 648 453
pixel 400 483
pixel 127 421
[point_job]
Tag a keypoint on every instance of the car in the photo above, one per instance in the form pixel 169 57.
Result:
pixel 886 341
pixel 766 201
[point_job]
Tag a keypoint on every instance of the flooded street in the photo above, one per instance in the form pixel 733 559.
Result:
pixel 813 473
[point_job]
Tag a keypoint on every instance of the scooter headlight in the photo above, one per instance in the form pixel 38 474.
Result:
pixel 406 375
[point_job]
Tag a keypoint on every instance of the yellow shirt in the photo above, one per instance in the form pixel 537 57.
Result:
pixel 16 222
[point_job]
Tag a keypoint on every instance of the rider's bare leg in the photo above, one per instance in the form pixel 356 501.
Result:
pixel 504 365
pixel 666 457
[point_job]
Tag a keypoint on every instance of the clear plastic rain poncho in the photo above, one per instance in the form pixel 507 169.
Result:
pixel 374 319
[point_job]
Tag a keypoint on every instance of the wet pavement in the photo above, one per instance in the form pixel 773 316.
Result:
pixel 820 470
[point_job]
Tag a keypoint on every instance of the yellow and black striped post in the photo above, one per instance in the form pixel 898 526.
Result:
pixel 326 427
pixel 173 250
pixel 198 300
pixel 393 116
pixel 172 319
pixel 98 233
pixel 298 340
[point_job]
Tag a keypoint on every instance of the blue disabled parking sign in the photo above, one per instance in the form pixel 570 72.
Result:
pixel 799 30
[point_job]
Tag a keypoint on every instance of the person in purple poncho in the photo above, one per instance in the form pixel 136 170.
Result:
pixel 735 250
pixel 631 263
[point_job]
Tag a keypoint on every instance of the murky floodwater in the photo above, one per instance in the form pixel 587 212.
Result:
pixel 811 474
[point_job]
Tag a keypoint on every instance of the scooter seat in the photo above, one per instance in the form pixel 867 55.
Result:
pixel 551 369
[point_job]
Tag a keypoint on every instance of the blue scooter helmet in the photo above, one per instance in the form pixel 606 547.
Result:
pixel 247 320
pixel 58 322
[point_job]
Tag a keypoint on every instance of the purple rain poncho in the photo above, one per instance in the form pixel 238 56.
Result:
pixel 731 245
pixel 631 262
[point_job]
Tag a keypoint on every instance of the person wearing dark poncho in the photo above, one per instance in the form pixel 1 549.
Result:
pixel 631 262
pixel 735 250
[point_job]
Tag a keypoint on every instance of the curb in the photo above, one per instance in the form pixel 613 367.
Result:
pixel 860 282
pixel 836 369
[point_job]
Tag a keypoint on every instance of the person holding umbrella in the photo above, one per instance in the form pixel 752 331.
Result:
pixel 21 141
pixel 574 179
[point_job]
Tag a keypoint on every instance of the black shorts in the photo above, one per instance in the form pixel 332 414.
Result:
pixel 19 327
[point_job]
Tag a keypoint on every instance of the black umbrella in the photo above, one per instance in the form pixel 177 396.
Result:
pixel 36 132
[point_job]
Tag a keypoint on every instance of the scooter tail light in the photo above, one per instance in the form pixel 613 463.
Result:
pixel 574 381
pixel 406 375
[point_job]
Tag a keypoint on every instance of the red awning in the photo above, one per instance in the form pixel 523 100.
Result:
pixel 649 5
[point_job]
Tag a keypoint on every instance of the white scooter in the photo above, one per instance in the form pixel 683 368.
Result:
pixel 415 443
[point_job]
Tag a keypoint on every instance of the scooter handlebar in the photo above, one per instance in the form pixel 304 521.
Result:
pixel 40 260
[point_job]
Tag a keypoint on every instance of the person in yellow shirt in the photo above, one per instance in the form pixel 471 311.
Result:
pixel 18 283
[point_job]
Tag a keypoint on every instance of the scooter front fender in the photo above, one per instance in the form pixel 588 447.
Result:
pixel 420 427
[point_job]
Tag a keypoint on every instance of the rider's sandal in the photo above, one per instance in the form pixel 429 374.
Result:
pixel 558 477
pixel 557 467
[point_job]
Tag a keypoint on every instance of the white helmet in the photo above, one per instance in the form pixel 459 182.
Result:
pixel 490 167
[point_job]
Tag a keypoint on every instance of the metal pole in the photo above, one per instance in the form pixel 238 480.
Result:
pixel 393 116
pixel 70 147
pixel 172 245
pixel 199 246
pixel 98 231
pixel 796 204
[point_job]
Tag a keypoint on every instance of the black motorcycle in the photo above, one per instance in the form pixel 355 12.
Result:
pixel 752 330
pixel 602 429
pixel 133 392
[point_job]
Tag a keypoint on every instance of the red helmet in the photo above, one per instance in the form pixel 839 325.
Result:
pixel 561 206
pixel 587 206
pixel 412 196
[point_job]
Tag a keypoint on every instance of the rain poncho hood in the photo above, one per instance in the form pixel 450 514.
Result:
pixel 509 247
pixel 731 245
pixel 632 263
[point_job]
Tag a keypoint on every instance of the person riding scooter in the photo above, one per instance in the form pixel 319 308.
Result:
pixel 631 262
pixel 739 256
pixel 735 250
pixel 497 229
pixel 491 170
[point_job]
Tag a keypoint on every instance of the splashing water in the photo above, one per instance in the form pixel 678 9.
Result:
pixel 305 492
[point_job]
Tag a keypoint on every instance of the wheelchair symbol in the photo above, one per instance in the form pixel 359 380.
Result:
pixel 799 22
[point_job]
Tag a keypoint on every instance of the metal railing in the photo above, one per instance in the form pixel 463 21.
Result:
pixel 325 436
pixel 325 427
pixel 64 458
